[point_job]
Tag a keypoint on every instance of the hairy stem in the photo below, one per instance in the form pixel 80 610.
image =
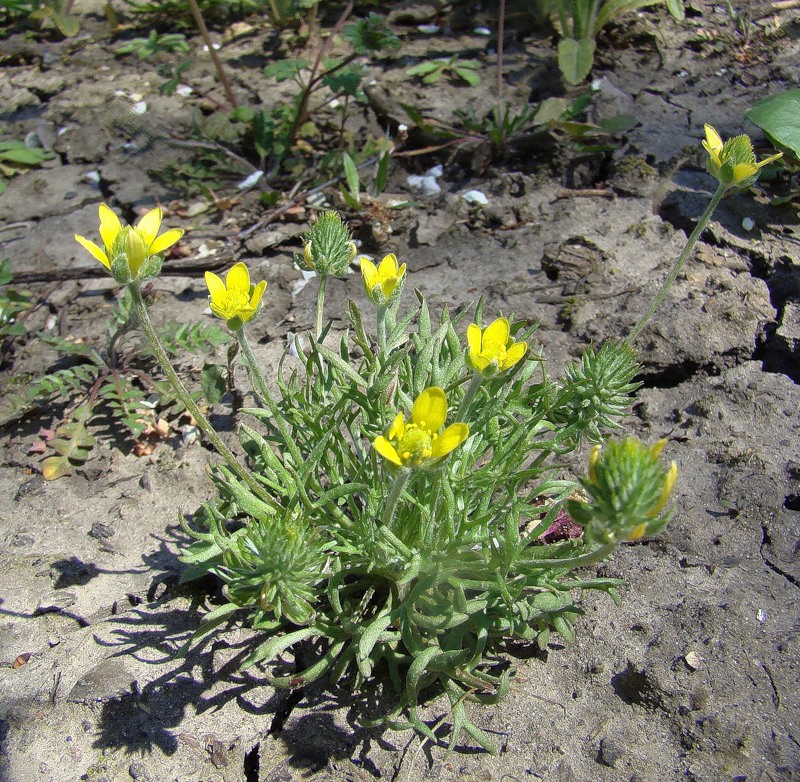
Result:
pixel 263 393
pixel 381 329
pixel 394 495
pixel 323 280
pixel 469 396
pixel 160 354
pixel 698 229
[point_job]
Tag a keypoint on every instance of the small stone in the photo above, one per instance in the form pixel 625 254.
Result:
pixel 53 641
pixel 106 681
pixel 138 770
pixel 146 482
pixel 694 661
pixel 101 531
pixel 611 752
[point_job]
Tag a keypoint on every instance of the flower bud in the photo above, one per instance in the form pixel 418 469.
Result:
pixel 329 247
pixel 627 491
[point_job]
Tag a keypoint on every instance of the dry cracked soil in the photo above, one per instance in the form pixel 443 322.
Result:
pixel 693 677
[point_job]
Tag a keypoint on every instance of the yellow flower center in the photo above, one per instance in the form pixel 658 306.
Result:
pixel 236 301
pixel 416 444
pixel 495 352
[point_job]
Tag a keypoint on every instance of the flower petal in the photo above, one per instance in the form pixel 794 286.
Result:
pixel 496 334
pixel 96 252
pixel 713 142
pixel 149 225
pixel 110 226
pixel 369 272
pixel 388 267
pixel 166 240
pixel 397 428
pixel 258 292
pixel 216 287
pixel 474 340
pixel 449 439
pixel 238 279
pixel 387 450
pixel 742 171
pixel 430 409
pixel 514 354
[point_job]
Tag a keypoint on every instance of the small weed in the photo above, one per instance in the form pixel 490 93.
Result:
pixel 155 44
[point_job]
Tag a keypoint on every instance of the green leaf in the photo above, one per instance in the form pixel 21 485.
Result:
pixel 779 117
pixel 344 82
pixel 285 69
pixel 351 172
pixel 212 381
pixel 469 76
pixel 340 364
pixel 425 68
pixel 69 25
pixel 550 110
pixel 676 9
pixel 575 58
pixel 22 154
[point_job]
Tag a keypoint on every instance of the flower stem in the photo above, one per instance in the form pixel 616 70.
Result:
pixel 381 325
pixel 469 396
pixel 698 229
pixel 323 279
pixel 394 496
pixel 146 325
pixel 263 393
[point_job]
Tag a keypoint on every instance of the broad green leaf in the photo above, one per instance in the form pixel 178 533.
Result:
pixel 469 76
pixel 779 117
pixel 550 110
pixel 351 173
pixel 676 9
pixel 285 69
pixel 426 67
pixel 575 58
pixel 213 384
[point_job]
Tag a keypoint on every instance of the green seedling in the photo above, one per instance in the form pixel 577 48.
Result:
pixel 14 305
pixel 55 11
pixel 579 22
pixel 432 71
pixel 16 156
pixel 155 44
pixel 339 77
pixel 118 378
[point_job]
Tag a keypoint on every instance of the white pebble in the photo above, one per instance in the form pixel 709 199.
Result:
pixel 475 197
pixel 748 224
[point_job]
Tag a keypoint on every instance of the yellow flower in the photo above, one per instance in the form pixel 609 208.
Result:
pixel 733 163
pixel 422 440
pixel 127 250
pixel 491 350
pixel 235 300
pixel 382 283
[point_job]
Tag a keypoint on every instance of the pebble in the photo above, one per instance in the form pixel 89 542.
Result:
pixel 611 752
pixel 694 661
pixel 138 770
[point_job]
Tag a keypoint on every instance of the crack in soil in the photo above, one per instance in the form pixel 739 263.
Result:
pixel 765 540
